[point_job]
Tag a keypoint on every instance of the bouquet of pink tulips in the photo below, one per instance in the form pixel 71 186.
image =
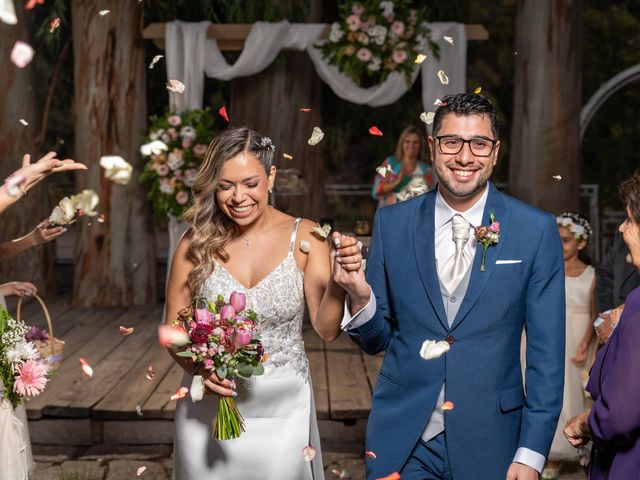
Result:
pixel 223 337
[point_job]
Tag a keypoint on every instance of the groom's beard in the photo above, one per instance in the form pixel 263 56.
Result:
pixel 462 192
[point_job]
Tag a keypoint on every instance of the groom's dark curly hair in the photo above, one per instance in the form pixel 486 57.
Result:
pixel 463 104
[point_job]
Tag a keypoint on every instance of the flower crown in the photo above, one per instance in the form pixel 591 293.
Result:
pixel 576 224
pixel 266 142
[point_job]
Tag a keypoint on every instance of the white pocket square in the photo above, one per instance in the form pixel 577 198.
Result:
pixel 507 262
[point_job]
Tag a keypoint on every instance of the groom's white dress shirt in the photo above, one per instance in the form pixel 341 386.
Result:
pixel 444 248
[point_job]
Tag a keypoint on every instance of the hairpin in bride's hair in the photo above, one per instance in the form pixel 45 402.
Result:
pixel 266 142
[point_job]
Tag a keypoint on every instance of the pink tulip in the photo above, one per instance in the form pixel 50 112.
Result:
pixel 243 337
pixel 202 315
pixel 227 312
pixel 238 301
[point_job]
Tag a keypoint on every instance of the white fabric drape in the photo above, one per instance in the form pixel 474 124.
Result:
pixel 190 55
pixel 16 461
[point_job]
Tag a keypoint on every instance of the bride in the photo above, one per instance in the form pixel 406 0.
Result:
pixel 238 242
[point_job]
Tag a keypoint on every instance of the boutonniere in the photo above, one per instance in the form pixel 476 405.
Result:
pixel 487 236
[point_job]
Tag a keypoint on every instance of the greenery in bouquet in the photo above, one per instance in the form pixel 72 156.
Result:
pixel 376 38
pixel 175 148
pixel 22 371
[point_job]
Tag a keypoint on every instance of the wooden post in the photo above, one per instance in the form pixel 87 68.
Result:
pixel 545 140
pixel 115 260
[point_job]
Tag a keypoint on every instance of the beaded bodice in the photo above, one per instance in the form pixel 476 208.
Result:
pixel 278 299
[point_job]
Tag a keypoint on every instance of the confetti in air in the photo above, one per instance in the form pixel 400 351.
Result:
pixel 150 373
pixel 155 60
pixel 443 77
pixel 140 470
pixel 427 117
pixel 375 131
pixel 557 177
pixel 172 336
pixel 32 3
pixel 86 368
pixel 340 472
pixel 102 13
pixel 322 231
pixel 223 113
pixel 305 110
pixel 432 349
pixel 382 170
pixel 22 54
pixel 24 122
pixel 439 103
pixel 175 86
pixel 124 331
pixel 55 23
pixel 393 476
pixel 117 169
pixel 100 218
pixel 478 90
pixel 420 58
pixel 316 136
pixel 448 405
pixel 370 454
pixel 448 39
pixel 287 156
pixel 180 393
pixel 308 453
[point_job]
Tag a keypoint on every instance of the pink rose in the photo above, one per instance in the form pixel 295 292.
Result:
pixel 187 142
pixel 208 362
pixel 182 197
pixel 162 169
pixel 353 22
pixel 174 120
pixel 173 133
pixel 357 9
pixel 199 149
pixel 397 27
pixel 243 337
pixel 399 56
pixel 238 301
pixel 364 54
pixel 495 227
pixel 227 312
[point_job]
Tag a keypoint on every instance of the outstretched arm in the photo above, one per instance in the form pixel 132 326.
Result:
pixel 44 232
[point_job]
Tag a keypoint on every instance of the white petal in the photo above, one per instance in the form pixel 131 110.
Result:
pixel 155 147
pixel 24 122
pixel 21 54
pixel 432 349
pixel 103 12
pixel 316 136
pixel 322 231
pixel 308 453
pixel 427 117
pixel 448 39
pixel 117 169
pixel 155 60
pixel 175 86
pixel 443 77
pixel 197 388
pixel 7 12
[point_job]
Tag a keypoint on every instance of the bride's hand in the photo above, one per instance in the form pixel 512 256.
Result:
pixel 346 267
pixel 214 385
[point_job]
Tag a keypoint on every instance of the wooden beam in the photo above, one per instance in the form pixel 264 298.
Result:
pixel 231 36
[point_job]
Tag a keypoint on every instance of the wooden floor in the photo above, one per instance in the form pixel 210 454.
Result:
pixel 110 407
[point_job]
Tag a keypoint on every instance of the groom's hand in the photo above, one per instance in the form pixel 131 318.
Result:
pixel 520 471
pixel 346 268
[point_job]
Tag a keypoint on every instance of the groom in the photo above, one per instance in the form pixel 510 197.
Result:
pixel 425 281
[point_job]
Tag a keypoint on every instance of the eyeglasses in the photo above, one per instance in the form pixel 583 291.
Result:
pixel 452 145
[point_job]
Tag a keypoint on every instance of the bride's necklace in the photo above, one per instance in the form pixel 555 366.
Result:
pixel 246 241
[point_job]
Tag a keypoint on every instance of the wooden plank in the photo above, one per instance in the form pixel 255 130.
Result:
pixel 109 362
pixel 349 390
pixel 159 404
pixel 134 388
pixel 75 339
pixel 314 347
pixel 372 365
pixel 231 36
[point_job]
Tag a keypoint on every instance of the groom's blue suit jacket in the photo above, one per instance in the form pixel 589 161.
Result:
pixel 491 418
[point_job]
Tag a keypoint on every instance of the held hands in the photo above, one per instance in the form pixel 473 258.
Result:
pixel 346 267
pixel 520 471
pixel 577 429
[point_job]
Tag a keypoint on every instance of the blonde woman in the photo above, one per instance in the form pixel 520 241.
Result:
pixel 238 242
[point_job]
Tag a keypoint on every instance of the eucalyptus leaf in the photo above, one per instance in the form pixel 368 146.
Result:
pixel 186 354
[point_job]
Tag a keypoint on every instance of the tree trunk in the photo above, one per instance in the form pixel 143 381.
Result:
pixel 18 102
pixel 547 102
pixel 115 260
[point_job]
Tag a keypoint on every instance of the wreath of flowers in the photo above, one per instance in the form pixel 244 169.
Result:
pixel 576 224
pixel 175 150
pixel 375 38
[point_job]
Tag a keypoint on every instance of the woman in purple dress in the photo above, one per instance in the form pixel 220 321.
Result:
pixel 613 422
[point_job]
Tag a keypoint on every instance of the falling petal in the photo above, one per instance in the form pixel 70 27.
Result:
pixel 153 148
pixel 375 131
pixel 340 472
pixel 150 373
pixel 21 54
pixel 382 170
pixel 308 453
pixel 55 23
pixel 175 86
pixel 427 117
pixel 8 12
pixel 32 3
pixel 439 103
pixel 287 156
pixel 420 58
pixel 443 77
pixel 101 218
pixel 24 122
pixel 86 368
pixel 103 12
pixel 478 90
pixel 316 136
pixel 448 405
pixel 180 393
pixel 139 410
pixel 431 349
pixel 304 246
pixel 393 476
pixel 117 169
pixel 172 336
pixel 557 177
pixel 448 39
pixel 124 331
pixel 305 110
pixel 223 113
pixel 155 60
pixel 140 470
pixel 322 231
pixel 370 454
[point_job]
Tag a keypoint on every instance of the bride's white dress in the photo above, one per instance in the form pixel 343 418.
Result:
pixel 277 407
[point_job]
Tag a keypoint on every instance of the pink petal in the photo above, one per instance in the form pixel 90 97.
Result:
pixel 21 54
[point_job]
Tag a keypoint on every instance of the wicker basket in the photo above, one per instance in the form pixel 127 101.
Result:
pixel 50 349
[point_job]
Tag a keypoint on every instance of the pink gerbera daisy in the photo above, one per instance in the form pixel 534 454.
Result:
pixel 31 378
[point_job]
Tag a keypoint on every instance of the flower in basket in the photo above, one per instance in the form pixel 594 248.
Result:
pixel 22 371
pixel 375 38
pixel 175 148
pixel 223 337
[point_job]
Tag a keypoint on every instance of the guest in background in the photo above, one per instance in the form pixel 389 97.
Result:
pixel 406 173
pixel 579 278
pixel 613 423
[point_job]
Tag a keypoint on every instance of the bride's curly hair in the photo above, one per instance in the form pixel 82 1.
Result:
pixel 210 229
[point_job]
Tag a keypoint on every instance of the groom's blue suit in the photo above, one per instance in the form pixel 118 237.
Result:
pixel 481 372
